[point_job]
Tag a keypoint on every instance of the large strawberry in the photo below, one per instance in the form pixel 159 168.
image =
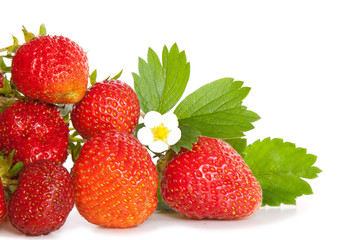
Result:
pixel 43 199
pixel 52 69
pixel 115 181
pixel 35 130
pixel 2 203
pixel 210 181
pixel 108 105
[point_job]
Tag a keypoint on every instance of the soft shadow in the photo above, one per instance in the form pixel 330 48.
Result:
pixel 264 216
pixel 143 229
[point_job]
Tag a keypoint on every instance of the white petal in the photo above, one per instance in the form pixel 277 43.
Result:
pixel 174 136
pixel 170 120
pixel 145 136
pixel 158 146
pixel 152 119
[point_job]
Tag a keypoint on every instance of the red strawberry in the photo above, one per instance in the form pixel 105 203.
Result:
pixel 35 130
pixel 52 69
pixel 210 181
pixel 115 181
pixel 2 203
pixel 1 80
pixel 43 199
pixel 108 105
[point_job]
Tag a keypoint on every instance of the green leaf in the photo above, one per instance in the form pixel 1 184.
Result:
pixel 118 75
pixel 15 41
pixel 216 109
pixel 189 135
pixel 15 170
pixel 75 150
pixel 12 48
pixel 93 76
pixel 2 63
pixel 42 30
pixel 27 35
pixel 6 89
pixel 177 71
pixel 7 168
pixel 159 86
pixel 280 168
pixel 3 68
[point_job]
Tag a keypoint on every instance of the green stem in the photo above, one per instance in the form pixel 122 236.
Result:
pixel 74 134
pixel 160 166
pixel 77 140
pixel 5 69
pixel 164 159
pixel 6 182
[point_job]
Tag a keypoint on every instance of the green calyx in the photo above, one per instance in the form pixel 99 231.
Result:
pixel 9 173
pixel 93 77
pixel 9 51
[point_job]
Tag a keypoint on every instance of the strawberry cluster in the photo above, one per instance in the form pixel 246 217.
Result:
pixel 114 181
pixel 48 110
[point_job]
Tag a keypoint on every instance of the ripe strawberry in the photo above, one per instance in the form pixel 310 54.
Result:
pixel 2 203
pixel 1 80
pixel 43 199
pixel 52 69
pixel 108 105
pixel 115 181
pixel 35 130
pixel 210 181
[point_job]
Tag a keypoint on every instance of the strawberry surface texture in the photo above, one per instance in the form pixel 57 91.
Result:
pixel 2 203
pixel 1 80
pixel 115 181
pixel 210 181
pixel 53 69
pixel 35 130
pixel 107 105
pixel 43 199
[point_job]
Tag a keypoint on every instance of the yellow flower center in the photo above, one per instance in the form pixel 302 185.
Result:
pixel 160 132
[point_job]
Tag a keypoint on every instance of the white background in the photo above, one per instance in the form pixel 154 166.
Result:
pixel 301 59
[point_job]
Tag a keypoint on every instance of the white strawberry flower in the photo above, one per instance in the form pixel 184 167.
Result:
pixel 160 131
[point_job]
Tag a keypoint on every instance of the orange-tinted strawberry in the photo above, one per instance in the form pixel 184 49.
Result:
pixel 52 69
pixel 2 203
pixel 210 181
pixel 43 199
pixel 108 105
pixel 35 130
pixel 115 181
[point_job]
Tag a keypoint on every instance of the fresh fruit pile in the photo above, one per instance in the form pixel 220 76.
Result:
pixel 134 150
